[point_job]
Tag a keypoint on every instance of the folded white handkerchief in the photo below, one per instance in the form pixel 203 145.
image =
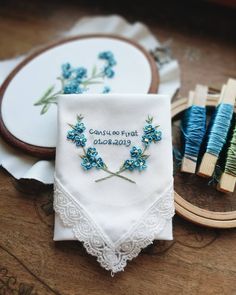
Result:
pixel 113 178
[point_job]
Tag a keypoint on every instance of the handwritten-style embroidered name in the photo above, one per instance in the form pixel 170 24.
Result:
pixel 114 132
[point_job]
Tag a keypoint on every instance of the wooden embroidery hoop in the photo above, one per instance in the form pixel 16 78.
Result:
pixel 189 211
pixel 49 153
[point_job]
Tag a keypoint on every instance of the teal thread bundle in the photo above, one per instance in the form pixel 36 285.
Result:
pixel 193 130
pixel 220 126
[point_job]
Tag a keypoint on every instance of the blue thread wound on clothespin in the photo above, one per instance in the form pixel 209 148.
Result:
pixel 219 128
pixel 193 129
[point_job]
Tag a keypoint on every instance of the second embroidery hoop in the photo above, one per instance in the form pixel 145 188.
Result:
pixel 13 93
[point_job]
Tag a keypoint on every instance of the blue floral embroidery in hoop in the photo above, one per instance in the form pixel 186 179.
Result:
pixel 91 159
pixel 76 80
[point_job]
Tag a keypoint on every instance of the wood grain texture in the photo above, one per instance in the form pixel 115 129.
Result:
pixel 199 260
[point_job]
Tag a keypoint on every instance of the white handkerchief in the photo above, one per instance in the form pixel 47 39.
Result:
pixel 125 139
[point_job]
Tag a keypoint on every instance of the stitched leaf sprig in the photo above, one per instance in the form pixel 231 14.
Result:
pixel 75 80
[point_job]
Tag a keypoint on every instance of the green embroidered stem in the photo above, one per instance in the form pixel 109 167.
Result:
pixel 110 172
pixel 115 174
pixel 49 98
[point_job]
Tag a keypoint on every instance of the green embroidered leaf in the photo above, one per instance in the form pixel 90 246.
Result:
pixel 45 109
pixel 47 93
pixel 149 120
pixel 145 157
pixel 94 71
pixel 92 82
pixel 72 126
pixel 79 118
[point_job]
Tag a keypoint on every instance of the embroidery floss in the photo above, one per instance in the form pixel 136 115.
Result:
pixel 228 178
pixel 219 128
pixel 194 128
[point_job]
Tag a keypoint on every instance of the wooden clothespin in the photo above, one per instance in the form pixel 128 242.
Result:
pixel 227 183
pixel 208 162
pixel 198 98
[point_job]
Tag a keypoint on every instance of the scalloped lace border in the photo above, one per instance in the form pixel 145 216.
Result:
pixel 111 256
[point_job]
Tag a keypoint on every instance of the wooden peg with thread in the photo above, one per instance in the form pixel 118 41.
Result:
pixel 209 160
pixel 196 98
pixel 228 178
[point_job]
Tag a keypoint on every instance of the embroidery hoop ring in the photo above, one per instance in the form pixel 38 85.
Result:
pixel 193 213
pixel 48 153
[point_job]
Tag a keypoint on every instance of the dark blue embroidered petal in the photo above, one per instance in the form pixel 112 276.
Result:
pixel 140 164
pixel 135 152
pixel 91 152
pixel 147 139
pixel 129 164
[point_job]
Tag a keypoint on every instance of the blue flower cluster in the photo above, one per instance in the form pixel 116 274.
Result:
pixel 150 135
pixel 137 161
pixel 73 77
pixel 76 135
pixel 91 159
pixel 110 63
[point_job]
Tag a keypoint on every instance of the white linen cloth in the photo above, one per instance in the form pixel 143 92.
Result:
pixel 114 218
pixel 27 167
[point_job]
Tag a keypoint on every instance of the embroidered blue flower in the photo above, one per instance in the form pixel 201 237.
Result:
pixel 100 163
pixel 147 139
pixel 140 163
pixel 135 152
pixel 86 163
pixel 71 87
pixel 71 135
pixel 111 62
pixel 91 153
pixel 80 73
pixel 149 129
pixel 157 136
pixel 91 159
pixel 107 55
pixel 79 127
pixel 106 89
pixel 108 72
pixel 80 140
pixel 66 70
pixel 151 134
pixel 137 161
pixel 129 164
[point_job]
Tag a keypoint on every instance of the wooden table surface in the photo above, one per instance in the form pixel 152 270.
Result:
pixel 199 260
